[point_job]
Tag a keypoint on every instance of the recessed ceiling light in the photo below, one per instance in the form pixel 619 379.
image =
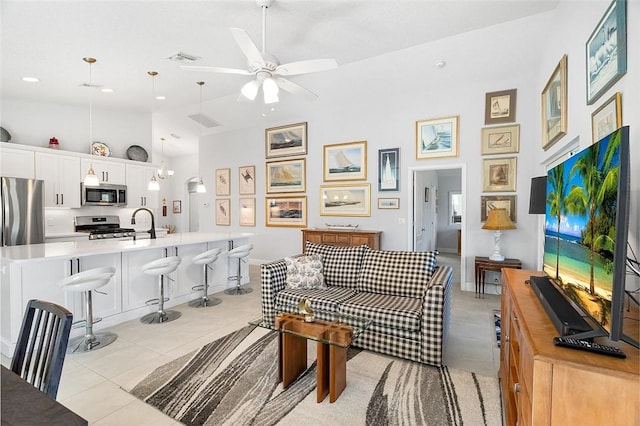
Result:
pixel 31 79
pixel 106 90
pixel 161 98
pixel 440 64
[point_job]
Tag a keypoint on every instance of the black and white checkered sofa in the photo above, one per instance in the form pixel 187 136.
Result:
pixel 405 294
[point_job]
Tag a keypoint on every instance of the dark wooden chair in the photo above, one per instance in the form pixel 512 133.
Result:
pixel 42 345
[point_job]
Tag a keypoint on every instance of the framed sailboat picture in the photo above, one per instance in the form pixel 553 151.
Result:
pixel 286 176
pixel 437 138
pixel 388 169
pixel 345 200
pixel 286 141
pixel 345 161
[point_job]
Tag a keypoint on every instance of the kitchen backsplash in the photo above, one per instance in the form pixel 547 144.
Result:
pixel 60 221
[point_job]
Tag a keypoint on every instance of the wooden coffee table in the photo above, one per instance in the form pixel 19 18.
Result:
pixel 332 338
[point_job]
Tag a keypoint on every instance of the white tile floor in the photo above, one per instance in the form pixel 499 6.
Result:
pixel 94 385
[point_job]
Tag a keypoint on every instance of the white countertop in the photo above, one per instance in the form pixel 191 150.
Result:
pixel 66 250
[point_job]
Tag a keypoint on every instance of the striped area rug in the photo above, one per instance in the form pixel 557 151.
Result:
pixel 233 381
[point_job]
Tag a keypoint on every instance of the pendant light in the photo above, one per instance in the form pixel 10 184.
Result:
pixel 201 188
pixel 154 185
pixel 161 172
pixel 90 179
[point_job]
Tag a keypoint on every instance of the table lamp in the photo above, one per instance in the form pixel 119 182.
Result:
pixel 498 220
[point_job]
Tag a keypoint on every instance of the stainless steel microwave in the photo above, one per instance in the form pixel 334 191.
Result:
pixel 104 195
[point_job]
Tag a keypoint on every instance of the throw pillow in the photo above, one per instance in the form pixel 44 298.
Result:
pixel 305 272
pixel 341 264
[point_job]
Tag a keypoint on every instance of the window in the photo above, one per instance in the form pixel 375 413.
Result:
pixel 455 207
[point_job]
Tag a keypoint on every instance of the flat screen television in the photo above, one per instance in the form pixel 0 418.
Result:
pixel 585 244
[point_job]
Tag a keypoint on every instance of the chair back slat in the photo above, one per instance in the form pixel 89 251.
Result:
pixel 42 344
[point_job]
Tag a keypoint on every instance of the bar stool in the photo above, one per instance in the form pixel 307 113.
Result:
pixel 205 259
pixel 85 282
pixel 241 253
pixel 160 268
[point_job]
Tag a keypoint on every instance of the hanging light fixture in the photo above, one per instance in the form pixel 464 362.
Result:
pixel 90 179
pixel 154 185
pixel 201 188
pixel 162 174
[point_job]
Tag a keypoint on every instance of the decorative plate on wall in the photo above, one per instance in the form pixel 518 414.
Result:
pixel 100 149
pixel 137 153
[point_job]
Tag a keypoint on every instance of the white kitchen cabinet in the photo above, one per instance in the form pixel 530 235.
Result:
pixel 61 175
pixel 138 194
pixel 112 172
pixel 17 163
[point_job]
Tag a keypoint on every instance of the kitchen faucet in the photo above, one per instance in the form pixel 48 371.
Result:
pixel 151 231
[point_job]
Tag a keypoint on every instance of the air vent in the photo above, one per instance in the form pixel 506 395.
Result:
pixel 204 120
pixel 91 85
pixel 183 58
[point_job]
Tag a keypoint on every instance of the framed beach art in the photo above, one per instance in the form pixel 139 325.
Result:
pixel 388 169
pixel 223 181
pixel 499 174
pixel 606 51
pixel 286 141
pixel 501 140
pixel 223 212
pixel 247 180
pixel 554 106
pixel 500 107
pixel 345 161
pixel 607 118
pixel 286 211
pixel 286 176
pixel 345 200
pixel 437 138
pixel 247 212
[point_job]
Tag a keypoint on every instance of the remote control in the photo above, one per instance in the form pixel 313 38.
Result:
pixel 585 345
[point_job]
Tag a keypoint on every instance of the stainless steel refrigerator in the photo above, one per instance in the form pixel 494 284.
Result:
pixel 22 211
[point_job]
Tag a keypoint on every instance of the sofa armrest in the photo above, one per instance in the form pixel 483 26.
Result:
pixel 436 314
pixel 273 276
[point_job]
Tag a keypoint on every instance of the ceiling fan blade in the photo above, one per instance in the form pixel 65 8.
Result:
pixel 294 88
pixel 250 90
pixel 215 69
pixel 305 67
pixel 248 47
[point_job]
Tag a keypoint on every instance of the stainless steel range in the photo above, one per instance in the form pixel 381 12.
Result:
pixel 103 227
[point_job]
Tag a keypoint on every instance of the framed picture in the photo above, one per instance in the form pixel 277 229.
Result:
pixel 177 206
pixel 499 174
pixel 554 106
pixel 247 180
pixel 606 51
pixel 607 118
pixel 286 211
pixel 490 202
pixel 345 200
pixel 437 138
pixel 223 212
pixel 388 169
pixel 286 141
pixel 223 181
pixel 501 140
pixel 247 212
pixel 286 176
pixel 388 203
pixel 345 161
pixel 500 107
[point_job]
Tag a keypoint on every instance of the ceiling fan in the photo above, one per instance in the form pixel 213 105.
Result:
pixel 269 73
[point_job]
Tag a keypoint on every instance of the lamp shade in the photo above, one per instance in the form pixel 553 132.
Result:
pixel 498 220
pixel 538 196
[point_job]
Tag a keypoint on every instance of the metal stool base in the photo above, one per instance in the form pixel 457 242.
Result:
pixel 160 317
pixel 82 344
pixel 238 291
pixel 205 302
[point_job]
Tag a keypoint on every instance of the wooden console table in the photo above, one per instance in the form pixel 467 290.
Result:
pixel 543 384
pixel 340 237
pixel 484 264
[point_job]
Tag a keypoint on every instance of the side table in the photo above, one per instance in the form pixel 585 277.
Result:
pixel 484 264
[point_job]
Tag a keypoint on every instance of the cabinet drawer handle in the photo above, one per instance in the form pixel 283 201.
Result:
pixel 57 199
pixel 516 388
pixel 107 176
pixel 62 199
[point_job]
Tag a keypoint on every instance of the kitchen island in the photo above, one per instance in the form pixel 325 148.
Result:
pixel 32 272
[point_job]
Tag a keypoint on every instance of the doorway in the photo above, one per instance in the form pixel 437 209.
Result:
pixel 194 217
pixel 437 210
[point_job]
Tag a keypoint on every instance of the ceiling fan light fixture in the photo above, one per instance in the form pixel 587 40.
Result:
pixel 250 90
pixel 270 89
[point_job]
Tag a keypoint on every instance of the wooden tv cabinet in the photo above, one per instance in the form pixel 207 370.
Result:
pixel 543 384
pixel 339 237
